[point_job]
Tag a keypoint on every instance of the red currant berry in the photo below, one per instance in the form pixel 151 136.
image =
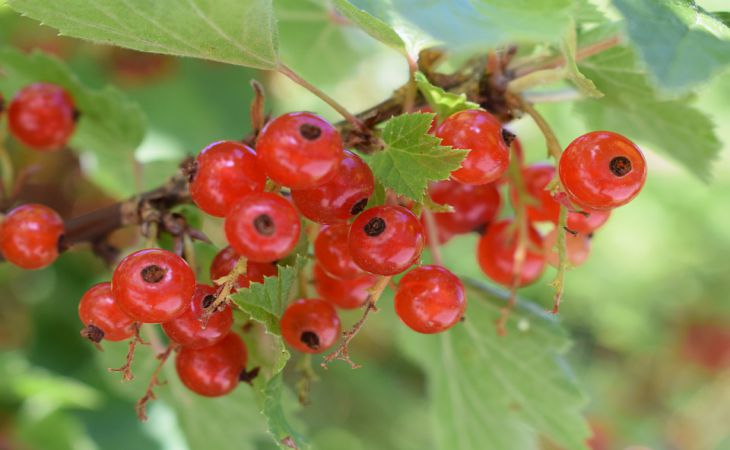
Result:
pixel 101 316
pixel 602 170
pixel 474 206
pixel 430 299
pixel 342 197
pixel 225 172
pixel 189 330
pixel 496 252
pixel 333 253
pixel 212 371
pixel 349 293
pixel 153 285
pixel 543 207
pixel 300 150
pixel 42 116
pixel 578 248
pixel 226 260
pixel 263 227
pixel 310 325
pixel 588 220
pixel 707 343
pixel 386 240
pixel 29 236
pixel 481 134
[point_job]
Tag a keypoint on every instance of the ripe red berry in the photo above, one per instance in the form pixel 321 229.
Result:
pixel 430 299
pixel 578 248
pixel 226 259
pixel 300 150
pixel 213 371
pixel 29 236
pixel 542 207
pixel 42 116
pixel 263 227
pixel 310 325
pixel 386 240
pixel 189 330
pixel 707 344
pixel 474 206
pixel 225 172
pixel 341 198
pixel 153 285
pixel 333 252
pixel 496 250
pixel 101 316
pixel 481 134
pixel 602 170
pixel 587 221
pixel 349 293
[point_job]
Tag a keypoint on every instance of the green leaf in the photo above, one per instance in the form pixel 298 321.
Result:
pixel 110 127
pixel 443 103
pixel 681 44
pixel 371 25
pixel 280 429
pixel 723 16
pixel 501 392
pixel 584 85
pixel 239 32
pixel 412 157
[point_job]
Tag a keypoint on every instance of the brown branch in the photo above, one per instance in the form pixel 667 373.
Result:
pixel 149 395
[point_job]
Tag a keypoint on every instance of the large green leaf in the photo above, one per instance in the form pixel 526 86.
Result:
pixel 371 25
pixel 239 32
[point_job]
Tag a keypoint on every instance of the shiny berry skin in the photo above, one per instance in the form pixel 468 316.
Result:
pixel 474 206
pixel 101 316
pixel 587 221
pixel 578 248
pixel 341 198
pixel 602 170
pixel 300 150
pixel 310 325
pixel 263 227
pixel 29 236
pixel 543 207
pixel 386 240
pixel 481 134
pixel 153 285
pixel 225 261
pixel 42 116
pixel 187 329
pixel 430 299
pixel 333 252
pixel 225 172
pixel 213 371
pixel 349 293
pixel 495 253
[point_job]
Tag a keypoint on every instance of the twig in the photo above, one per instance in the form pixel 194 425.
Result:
pixel 149 395
pixel 226 285
pixel 126 369
pixel 557 61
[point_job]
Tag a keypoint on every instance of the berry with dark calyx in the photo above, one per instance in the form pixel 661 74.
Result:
pixel 189 330
pixel 42 116
pixel 310 325
pixel 474 206
pixel 587 221
pixel 263 227
pixel 153 285
pixel 602 170
pixel 225 260
pixel 341 198
pixel 430 299
pixel 348 293
pixel 215 370
pixel 578 248
pixel 480 133
pixel 333 252
pixel 29 236
pixel 101 316
pixel 496 254
pixel 542 207
pixel 386 240
pixel 225 172
pixel 299 150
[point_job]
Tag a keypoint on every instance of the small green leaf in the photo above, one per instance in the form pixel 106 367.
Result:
pixel 279 428
pixel 584 85
pixel 371 25
pixel 412 157
pixel 443 103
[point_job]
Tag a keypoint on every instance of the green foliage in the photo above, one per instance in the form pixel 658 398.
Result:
pixel 443 103
pixel 371 25
pixel 584 85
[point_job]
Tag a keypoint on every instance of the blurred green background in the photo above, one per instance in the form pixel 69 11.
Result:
pixel 649 312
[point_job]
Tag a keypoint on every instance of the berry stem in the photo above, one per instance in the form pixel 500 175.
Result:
pixel 149 395
pixel 126 368
pixel 433 237
pixel 257 113
pixel 226 285
pixel 563 263
pixel 307 376
pixel 528 66
pixel 6 168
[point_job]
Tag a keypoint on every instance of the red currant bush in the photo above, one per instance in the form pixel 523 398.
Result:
pixel 225 260
pixel 602 170
pixel 481 134
pixel 153 285
pixel 496 249
pixel 430 299
pixel 263 227
pixel 341 198
pixel 543 207
pixel 212 371
pixel 347 293
pixel 300 150
pixel 42 116
pixel 189 330
pixel 225 172
pixel 386 240
pixel 333 252
pixel 310 325
pixel 474 206
pixel 101 316
pixel 29 236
